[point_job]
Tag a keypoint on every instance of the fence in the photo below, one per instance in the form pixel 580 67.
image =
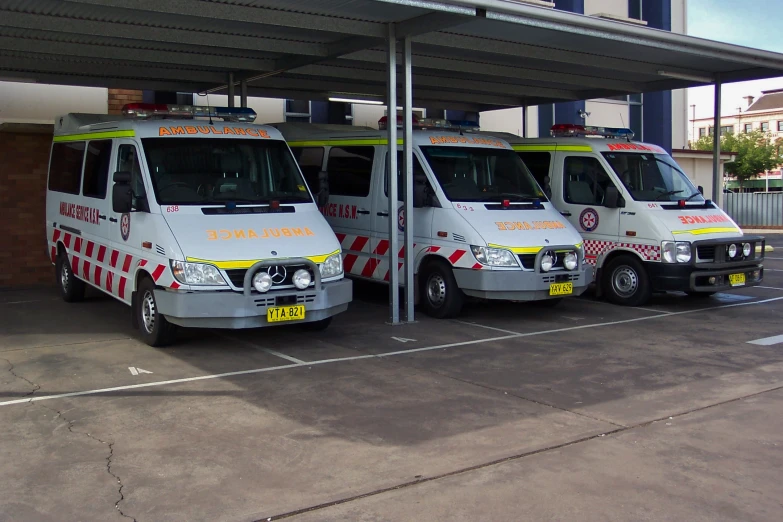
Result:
pixel 755 209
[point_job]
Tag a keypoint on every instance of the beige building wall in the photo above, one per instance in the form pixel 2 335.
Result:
pixel 503 120
pixel 698 166
pixel 42 103
pixel 268 110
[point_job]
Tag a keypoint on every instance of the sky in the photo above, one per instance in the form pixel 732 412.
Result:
pixel 752 23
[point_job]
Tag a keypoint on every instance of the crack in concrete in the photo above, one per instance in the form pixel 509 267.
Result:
pixel 70 423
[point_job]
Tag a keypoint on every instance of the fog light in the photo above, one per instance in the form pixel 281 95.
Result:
pixel 570 261
pixel 746 249
pixel 302 279
pixel 712 280
pixel 262 282
pixel 547 262
pixel 732 250
pixel 757 275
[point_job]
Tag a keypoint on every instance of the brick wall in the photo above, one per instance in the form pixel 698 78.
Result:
pixel 24 161
pixel 119 97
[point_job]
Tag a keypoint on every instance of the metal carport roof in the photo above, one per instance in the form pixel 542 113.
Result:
pixel 473 55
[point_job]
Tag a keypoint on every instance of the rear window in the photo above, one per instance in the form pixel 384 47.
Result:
pixel 96 169
pixel 65 168
pixel 350 170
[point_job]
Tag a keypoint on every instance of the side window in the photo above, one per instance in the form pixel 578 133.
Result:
pixel 418 173
pixel 538 165
pixel 310 160
pixel 584 180
pixel 350 170
pixel 96 169
pixel 65 169
pixel 128 161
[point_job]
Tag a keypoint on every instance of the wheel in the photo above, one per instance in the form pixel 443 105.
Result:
pixel 550 303
pixel 441 297
pixel 318 326
pixel 154 328
pixel 700 295
pixel 71 288
pixel 625 282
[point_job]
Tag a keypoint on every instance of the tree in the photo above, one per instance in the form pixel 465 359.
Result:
pixel 755 153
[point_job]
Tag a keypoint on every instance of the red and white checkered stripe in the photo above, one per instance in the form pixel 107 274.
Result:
pixel 105 267
pixel 594 249
pixel 360 259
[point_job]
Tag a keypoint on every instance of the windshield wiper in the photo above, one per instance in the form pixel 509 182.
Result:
pixel 697 193
pixel 519 197
pixel 670 193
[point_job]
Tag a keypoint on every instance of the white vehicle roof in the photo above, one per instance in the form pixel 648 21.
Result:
pixel 308 134
pixel 582 144
pixel 115 126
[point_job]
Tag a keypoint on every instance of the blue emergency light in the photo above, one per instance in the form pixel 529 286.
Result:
pixel 562 130
pixel 143 111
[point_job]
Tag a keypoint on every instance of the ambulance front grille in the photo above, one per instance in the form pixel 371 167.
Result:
pixel 237 277
pixel 265 302
pixel 560 278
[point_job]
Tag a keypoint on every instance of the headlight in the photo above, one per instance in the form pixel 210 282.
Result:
pixel 676 251
pixel 547 262
pixel 302 279
pixel 732 250
pixel 494 256
pixel 262 281
pixel 196 273
pixel 570 261
pixel 746 249
pixel 332 267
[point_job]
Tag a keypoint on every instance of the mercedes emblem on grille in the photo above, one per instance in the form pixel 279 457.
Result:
pixel 278 273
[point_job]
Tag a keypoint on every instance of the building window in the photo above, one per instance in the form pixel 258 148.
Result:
pixel 702 132
pixel 712 131
pixel 780 126
pixel 726 129
pixel 297 111
pixel 748 127
pixel 764 126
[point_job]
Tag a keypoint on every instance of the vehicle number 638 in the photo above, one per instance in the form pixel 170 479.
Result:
pixel 172 208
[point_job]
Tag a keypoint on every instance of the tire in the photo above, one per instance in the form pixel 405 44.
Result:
pixel 440 296
pixel 71 288
pixel 317 326
pixel 625 282
pixel 700 295
pixel 155 329
pixel 549 303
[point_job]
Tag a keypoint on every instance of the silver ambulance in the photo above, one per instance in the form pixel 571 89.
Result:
pixel 482 227
pixel 193 222
pixel 645 226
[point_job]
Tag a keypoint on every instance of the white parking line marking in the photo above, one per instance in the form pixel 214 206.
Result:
pixel 368 356
pixel 768 287
pixel 772 269
pixel 484 326
pixel 775 258
pixel 257 347
pixel 652 310
pixel 768 341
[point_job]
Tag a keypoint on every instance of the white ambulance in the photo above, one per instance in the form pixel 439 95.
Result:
pixel 645 226
pixel 482 227
pixel 193 222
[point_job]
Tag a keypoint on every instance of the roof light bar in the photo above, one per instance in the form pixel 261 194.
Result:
pixel 434 124
pixel 564 130
pixel 144 111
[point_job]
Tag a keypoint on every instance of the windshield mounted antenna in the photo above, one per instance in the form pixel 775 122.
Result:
pixel 622 120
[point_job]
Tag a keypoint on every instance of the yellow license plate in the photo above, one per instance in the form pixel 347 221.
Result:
pixel 278 314
pixel 737 279
pixel 561 288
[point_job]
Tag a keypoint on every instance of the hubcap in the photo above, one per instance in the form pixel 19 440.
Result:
pixel 436 290
pixel 148 311
pixel 625 281
pixel 65 276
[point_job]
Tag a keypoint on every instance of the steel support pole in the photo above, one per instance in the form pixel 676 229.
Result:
pixel 717 176
pixel 230 89
pixel 407 169
pixel 391 168
pixel 243 93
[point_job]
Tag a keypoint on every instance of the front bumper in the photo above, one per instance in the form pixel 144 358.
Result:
pixel 229 309
pixel 519 285
pixel 671 277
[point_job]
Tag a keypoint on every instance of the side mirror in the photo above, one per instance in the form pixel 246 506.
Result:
pixel 322 197
pixel 121 198
pixel 421 192
pixel 612 198
pixel 122 176
pixel 700 189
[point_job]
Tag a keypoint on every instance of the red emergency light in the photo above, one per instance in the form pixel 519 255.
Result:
pixel 143 111
pixel 384 122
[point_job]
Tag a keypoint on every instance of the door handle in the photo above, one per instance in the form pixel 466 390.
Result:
pixel 383 214
pixel 566 213
pixel 101 216
pixel 362 211
pixel 113 220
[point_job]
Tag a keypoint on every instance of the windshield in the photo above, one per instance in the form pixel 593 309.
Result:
pixel 477 174
pixel 652 177
pixel 199 171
